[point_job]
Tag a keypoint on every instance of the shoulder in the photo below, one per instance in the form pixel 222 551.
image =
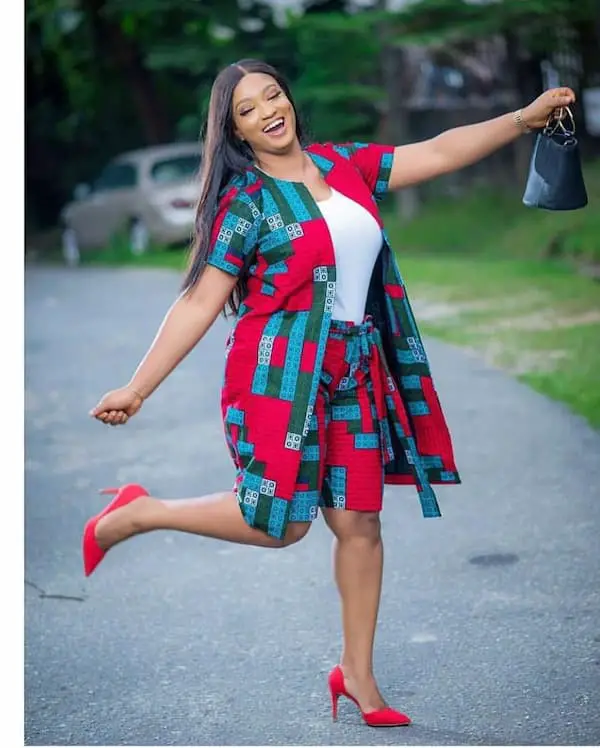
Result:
pixel 372 161
pixel 346 150
pixel 365 157
pixel 332 151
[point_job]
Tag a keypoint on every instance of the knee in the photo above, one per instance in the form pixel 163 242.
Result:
pixel 360 527
pixel 295 531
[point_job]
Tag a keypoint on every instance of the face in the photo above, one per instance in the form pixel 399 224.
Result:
pixel 263 116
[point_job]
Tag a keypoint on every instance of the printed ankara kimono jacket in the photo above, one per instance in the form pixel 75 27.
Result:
pixel 274 230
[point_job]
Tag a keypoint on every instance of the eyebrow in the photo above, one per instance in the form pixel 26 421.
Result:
pixel 248 98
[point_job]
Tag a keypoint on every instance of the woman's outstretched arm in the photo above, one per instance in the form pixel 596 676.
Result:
pixel 184 325
pixel 462 146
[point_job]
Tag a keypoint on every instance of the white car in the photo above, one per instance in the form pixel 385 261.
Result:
pixel 149 194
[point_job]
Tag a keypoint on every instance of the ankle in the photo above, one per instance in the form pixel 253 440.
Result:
pixel 358 672
pixel 144 514
pixel 125 522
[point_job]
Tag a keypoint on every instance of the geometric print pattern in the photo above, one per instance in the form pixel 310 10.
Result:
pixel 343 452
pixel 275 372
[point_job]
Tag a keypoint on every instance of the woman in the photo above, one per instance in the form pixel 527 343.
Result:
pixel 327 391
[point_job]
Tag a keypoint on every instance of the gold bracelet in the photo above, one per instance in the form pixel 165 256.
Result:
pixel 135 392
pixel 520 122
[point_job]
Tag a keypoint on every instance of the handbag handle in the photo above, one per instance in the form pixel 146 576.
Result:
pixel 557 117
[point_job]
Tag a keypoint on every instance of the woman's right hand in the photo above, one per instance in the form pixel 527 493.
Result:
pixel 117 406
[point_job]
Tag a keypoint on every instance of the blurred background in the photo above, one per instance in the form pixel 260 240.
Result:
pixel 117 93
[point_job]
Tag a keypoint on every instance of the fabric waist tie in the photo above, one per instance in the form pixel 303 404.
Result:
pixel 369 355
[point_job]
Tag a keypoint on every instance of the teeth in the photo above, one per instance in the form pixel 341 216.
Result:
pixel 273 125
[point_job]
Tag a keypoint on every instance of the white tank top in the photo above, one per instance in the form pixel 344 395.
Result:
pixel 357 241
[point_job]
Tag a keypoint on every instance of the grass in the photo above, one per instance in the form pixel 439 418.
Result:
pixel 500 279
pixel 118 253
pixel 497 223
pixel 535 319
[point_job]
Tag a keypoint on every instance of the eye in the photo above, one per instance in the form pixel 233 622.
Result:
pixel 275 95
pixel 244 112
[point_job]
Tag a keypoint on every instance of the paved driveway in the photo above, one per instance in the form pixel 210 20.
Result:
pixel 490 622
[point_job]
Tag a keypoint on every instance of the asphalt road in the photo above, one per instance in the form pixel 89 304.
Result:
pixel 490 624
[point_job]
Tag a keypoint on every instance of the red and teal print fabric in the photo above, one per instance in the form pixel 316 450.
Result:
pixel 273 229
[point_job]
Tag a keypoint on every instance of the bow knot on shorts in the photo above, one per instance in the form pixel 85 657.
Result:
pixel 348 440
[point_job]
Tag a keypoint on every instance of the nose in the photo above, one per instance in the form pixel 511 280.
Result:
pixel 267 110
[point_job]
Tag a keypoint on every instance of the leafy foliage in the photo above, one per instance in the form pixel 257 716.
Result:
pixel 104 76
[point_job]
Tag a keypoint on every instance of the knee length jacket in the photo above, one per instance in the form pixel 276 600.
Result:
pixel 273 230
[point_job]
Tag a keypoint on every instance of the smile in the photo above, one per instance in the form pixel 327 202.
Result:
pixel 275 126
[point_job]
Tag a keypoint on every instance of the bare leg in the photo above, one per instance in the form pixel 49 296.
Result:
pixel 214 516
pixel 358 568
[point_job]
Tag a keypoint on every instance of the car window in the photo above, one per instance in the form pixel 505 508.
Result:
pixel 115 177
pixel 175 169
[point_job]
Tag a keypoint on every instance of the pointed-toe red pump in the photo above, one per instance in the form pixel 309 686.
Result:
pixel 386 717
pixel 92 553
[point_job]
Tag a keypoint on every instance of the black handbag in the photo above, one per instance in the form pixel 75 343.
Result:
pixel 555 180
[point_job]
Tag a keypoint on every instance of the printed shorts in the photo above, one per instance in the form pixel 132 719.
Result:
pixel 342 464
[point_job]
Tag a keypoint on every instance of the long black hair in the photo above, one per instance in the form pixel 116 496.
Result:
pixel 223 156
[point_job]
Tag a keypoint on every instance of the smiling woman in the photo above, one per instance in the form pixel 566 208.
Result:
pixel 327 392
pixel 247 99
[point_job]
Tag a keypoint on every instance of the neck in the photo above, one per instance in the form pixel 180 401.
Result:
pixel 289 165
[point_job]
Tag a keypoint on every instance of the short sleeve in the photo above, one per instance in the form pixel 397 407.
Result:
pixel 373 161
pixel 235 232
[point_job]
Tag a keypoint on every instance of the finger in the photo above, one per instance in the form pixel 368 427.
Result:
pixel 564 101
pixel 124 418
pixel 563 96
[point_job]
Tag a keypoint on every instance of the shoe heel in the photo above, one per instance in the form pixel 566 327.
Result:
pixel 334 705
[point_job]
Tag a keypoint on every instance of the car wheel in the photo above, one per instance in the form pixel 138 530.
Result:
pixel 70 247
pixel 139 237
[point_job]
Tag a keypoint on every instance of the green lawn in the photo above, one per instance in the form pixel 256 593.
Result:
pixel 535 319
pixel 497 223
pixel 117 254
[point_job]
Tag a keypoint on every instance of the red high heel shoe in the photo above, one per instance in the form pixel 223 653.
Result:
pixel 386 717
pixel 92 553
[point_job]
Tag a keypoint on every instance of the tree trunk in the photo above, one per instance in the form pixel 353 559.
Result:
pixel 398 130
pixel 524 75
pixel 123 56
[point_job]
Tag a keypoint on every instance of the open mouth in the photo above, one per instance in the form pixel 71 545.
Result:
pixel 276 127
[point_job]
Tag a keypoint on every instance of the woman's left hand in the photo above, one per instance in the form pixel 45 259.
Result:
pixel 537 113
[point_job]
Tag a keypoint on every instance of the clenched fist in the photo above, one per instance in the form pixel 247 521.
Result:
pixel 116 407
pixel 537 113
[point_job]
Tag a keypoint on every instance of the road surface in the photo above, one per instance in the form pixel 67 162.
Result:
pixel 490 623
